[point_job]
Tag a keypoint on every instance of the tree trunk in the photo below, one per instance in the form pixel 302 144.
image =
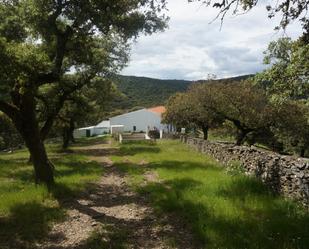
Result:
pixel 241 134
pixel 205 131
pixel 65 138
pixel 42 166
pixel 72 128
pixel 28 127
pixel 68 134
pixel 302 152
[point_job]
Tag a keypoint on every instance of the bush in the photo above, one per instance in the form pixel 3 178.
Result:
pixel 9 137
pixel 154 134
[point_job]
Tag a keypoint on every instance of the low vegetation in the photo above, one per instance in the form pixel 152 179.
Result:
pixel 224 208
pixel 26 210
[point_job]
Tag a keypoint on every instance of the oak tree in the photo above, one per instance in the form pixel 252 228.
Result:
pixel 51 48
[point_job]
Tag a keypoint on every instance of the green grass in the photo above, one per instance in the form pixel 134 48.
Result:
pixel 224 211
pixel 117 238
pixel 27 210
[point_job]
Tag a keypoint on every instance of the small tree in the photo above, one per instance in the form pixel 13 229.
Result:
pixel 247 107
pixel 292 126
pixel 188 110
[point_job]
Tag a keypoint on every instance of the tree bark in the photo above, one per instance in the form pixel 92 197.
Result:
pixel 205 131
pixel 302 152
pixel 72 128
pixel 241 134
pixel 68 134
pixel 65 138
pixel 28 127
pixel 42 166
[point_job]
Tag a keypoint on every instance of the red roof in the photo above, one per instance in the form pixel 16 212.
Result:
pixel 158 109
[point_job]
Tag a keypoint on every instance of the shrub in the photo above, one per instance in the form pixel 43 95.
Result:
pixel 154 134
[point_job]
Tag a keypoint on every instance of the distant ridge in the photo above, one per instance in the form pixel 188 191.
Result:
pixel 144 92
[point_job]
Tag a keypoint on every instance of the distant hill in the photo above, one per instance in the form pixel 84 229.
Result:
pixel 146 92
pixel 138 92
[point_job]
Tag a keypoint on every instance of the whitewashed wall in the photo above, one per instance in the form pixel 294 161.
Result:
pixel 141 119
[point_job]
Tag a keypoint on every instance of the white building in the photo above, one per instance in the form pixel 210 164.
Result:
pixel 141 120
pixel 84 132
pixel 100 129
pixel 136 121
pixel 103 127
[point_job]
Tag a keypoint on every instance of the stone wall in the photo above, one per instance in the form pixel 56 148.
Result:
pixel 286 175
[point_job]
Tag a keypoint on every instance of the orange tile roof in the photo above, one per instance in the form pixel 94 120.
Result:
pixel 158 109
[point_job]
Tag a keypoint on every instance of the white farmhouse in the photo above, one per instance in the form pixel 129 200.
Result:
pixel 103 127
pixel 141 120
pixel 100 129
pixel 137 121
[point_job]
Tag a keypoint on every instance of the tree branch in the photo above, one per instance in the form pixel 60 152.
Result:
pixel 61 100
pixel 10 110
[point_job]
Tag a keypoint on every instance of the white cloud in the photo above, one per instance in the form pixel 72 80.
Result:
pixel 192 47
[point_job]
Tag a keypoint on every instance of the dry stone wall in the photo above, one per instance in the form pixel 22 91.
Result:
pixel 286 175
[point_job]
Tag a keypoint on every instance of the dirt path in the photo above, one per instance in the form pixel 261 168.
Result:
pixel 111 215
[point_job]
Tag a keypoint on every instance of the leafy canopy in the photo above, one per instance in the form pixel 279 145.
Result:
pixel 288 75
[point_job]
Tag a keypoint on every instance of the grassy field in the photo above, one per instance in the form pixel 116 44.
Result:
pixel 223 210
pixel 26 210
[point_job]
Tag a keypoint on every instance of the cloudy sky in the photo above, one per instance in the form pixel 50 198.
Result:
pixel 192 47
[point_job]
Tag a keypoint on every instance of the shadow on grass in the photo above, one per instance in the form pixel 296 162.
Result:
pixel 268 223
pixel 241 187
pixel 16 169
pixel 116 239
pixel 122 151
pixel 180 166
pixel 118 231
pixel 90 141
pixel 28 222
pixel 167 195
pixel 138 149
pixel 21 171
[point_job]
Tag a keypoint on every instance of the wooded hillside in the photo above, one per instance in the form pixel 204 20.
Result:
pixel 146 92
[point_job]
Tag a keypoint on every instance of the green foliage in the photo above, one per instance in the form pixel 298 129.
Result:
pixel 208 104
pixel 193 110
pixel 292 126
pixel 9 137
pixel 286 84
pixel 256 112
pixel 287 78
pixel 59 48
pixel 141 92
pixel 223 211
pixel 179 111
pixel 145 92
